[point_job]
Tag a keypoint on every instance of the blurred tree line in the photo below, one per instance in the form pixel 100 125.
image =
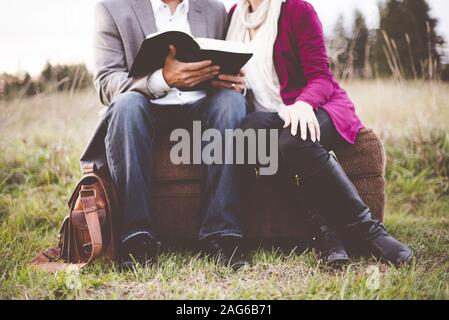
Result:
pixel 406 45
pixel 52 78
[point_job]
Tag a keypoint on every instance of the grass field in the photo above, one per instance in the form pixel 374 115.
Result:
pixel 41 139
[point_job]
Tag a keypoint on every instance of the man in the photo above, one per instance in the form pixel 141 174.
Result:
pixel 139 107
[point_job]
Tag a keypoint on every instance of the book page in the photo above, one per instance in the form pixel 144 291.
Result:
pixel 221 45
pixel 155 34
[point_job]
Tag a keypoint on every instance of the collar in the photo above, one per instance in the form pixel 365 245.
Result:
pixel 158 4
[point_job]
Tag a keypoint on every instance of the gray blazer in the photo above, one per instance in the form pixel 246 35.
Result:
pixel 120 28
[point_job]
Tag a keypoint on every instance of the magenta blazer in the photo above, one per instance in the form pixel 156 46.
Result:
pixel 302 66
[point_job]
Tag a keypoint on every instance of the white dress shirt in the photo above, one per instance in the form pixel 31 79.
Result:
pixel 166 21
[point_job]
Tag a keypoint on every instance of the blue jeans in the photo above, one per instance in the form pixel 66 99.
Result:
pixel 132 123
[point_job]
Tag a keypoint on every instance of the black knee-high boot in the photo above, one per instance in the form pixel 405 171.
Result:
pixel 331 247
pixel 336 199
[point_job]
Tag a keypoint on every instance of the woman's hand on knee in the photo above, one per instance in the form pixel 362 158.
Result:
pixel 301 114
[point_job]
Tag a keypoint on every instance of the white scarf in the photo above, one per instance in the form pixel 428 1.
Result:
pixel 265 18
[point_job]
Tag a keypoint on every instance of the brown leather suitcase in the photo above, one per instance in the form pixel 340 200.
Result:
pixel 176 194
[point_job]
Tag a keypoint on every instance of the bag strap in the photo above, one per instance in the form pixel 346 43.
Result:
pixel 89 168
pixel 90 209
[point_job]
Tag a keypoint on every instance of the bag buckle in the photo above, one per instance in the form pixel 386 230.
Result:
pixel 88 193
pixel 87 247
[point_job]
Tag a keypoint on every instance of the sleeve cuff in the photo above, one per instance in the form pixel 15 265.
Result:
pixel 308 101
pixel 157 84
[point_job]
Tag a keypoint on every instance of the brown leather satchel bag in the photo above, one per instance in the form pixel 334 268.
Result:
pixel 88 232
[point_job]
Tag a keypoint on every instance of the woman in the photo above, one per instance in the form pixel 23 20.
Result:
pixel 294 90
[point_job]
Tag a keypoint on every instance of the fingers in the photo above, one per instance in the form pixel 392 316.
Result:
pixel 295 121
pixel 227 81
pixel 287 120
pixel 192 78
pixel 317 128
pixel 194 66
pixel 303 128
pixel 311 127
pixel 203 77
pixel 232 79
pixel 304 116
pixel 221 84
pixel 204 71
pixel 227 85
pixel 172 52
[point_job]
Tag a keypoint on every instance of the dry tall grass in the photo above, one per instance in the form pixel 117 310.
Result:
pixel 399 110
pixel 395 109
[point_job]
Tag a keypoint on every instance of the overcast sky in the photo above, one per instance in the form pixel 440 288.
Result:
pixel 35 31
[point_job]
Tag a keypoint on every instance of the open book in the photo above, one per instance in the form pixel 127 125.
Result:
pixel 230 56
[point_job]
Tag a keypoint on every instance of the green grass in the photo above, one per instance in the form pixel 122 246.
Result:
pixel 40 142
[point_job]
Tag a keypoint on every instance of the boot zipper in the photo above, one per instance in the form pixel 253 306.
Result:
pixel 332 153
pixel 257 171
pixel 297 180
